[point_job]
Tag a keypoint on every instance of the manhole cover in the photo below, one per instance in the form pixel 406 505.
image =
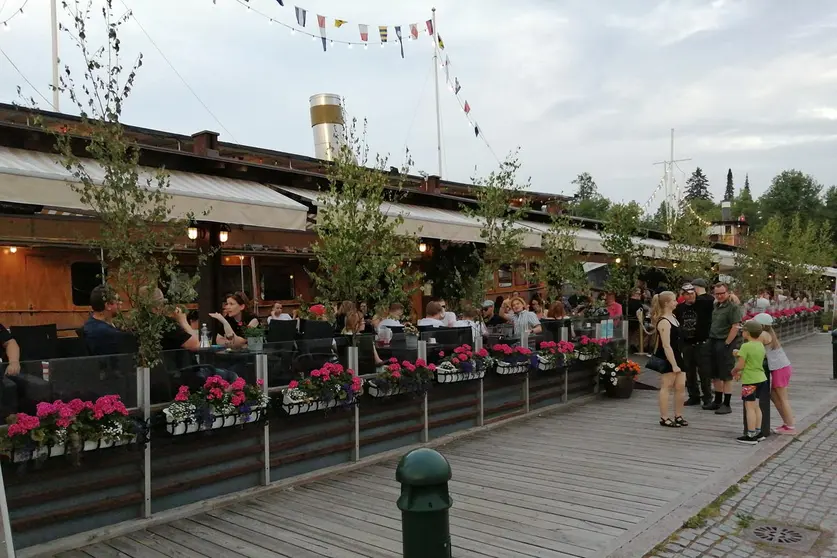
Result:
pixel 783 536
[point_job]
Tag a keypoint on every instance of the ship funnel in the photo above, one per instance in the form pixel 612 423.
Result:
pixel 327 125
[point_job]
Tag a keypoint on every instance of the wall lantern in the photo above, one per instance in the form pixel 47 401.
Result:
pixel 13 249
pixel 618 260
pixel 422 247
pixel 224 234
pixel 192 231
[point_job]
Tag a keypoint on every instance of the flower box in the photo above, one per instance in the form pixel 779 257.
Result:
pixel 509 368
pixel 93 445
pixel 21 456
pixel 585 356
pixel 447 373
pixel 546 364
pixel 294 406
pixel 181 427
pixel 375 391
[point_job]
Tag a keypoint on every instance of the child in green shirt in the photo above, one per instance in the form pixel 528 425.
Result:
pixel 749 368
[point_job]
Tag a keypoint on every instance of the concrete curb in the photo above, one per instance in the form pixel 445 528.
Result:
pixel 669 519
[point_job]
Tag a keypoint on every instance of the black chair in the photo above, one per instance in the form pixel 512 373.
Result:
pixel 395 329
pixel 8 397
pixel 281 331
pixel 70 347
pixel 37 343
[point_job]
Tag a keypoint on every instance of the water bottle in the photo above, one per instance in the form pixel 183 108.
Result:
pixel 45 370
pixel 205 343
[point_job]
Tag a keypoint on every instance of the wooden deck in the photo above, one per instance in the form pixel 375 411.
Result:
pixel 576 484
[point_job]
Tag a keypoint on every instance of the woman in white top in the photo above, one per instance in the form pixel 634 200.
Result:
pixel 780 373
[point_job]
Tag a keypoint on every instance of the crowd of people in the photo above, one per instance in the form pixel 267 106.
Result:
pixel 702 347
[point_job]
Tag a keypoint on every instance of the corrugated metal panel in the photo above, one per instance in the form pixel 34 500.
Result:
pixel 38 178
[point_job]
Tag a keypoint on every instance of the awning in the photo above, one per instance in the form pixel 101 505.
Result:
pixel 33 177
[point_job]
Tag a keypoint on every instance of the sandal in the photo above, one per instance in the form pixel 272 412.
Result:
pixel 680 421
pixel 669 423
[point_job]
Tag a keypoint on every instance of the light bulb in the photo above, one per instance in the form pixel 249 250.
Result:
pixel 223 236
pixel 293 31
pixel 13 249
pixel 270 21
pixel 332 42
pixel 6 26
pixel 618 260
pixel 366 46
pixel 313 38
pixel 422 247
pixel 383 45
pixel 192 233
pixel 350 45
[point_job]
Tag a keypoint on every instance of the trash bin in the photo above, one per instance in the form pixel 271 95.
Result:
pixel 424 503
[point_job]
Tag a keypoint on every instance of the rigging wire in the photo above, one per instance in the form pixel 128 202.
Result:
pixel 419 102
pixel 22 75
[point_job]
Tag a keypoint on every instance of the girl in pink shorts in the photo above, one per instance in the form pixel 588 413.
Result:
pixel 780 373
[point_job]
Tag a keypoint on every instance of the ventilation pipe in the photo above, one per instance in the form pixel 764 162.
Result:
pixel 327 124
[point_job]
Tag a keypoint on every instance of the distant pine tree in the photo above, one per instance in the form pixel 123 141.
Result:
pixel 729 193
pixel 697 187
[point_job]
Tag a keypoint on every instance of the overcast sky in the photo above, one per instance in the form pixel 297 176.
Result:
pixel 579 85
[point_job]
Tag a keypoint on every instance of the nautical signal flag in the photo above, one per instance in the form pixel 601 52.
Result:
pixel 340 23
pixel 382 29
pixel 430 27
pixel 281 3
pixel 467 107
pixel 321 21
pixel 400 41
pixel 300 16
pixel 414 31
pixel 364 32
pixel 441 42
pixel 456 86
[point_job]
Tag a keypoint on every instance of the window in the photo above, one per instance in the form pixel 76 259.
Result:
pixel 504 277
pixel 181 287
pixel 231 280
pixel 520 276
pixel 84 277
pixel 276 283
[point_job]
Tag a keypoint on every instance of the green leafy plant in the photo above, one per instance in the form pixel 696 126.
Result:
pixel 560 266
pixel 690 251
pixel 620 238
pixel 255 331
pixel 361 249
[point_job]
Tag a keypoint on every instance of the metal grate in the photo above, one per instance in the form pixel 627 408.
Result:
pixel 783 536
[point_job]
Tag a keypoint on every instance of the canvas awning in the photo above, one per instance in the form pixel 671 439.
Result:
pixel 33 177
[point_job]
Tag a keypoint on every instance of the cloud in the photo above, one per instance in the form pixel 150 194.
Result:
pixel 672 21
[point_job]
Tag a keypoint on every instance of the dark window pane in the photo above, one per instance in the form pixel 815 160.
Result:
pixel 276 283
pixel 504 277
pixel 84 277
pixel 231 280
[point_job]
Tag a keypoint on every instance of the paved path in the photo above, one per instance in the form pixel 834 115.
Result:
pixel 602 479
pixel 796 488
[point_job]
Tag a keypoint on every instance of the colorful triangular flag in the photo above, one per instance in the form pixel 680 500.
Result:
pixel 456 86
pixel 441 42
pixel 447 70
pixel 321 21
pixel 476 131
pixel 364 32
pixel 400 42
pixel 430 27
pixel 340 23
pixel 281 3
pixel 300 16
pixel 414 30
pixel 382 29
pixel 467 107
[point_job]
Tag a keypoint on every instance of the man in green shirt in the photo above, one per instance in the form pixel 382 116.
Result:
pixel 726 317
pixel 749 368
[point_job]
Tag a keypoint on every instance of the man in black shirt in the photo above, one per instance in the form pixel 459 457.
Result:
pixel 695 317
pixel 488 315
pixel 11 350
pixel 100 335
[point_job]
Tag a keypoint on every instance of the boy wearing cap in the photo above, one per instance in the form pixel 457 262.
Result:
pixel 749 368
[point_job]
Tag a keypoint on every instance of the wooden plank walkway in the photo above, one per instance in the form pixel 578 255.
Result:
pixel 563 485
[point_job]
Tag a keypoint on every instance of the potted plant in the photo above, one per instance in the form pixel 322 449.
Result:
pixel 463 364
pixel 618 379
pixel 511 360
pixel 589 348
pixel 411 336
pixel 255 338
pixel 326 387
pixel 218 404
pixel 103 424
pixel 555 354
pixel 407 377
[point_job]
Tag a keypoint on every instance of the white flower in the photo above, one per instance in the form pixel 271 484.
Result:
pixel 613 373
pixel 614 381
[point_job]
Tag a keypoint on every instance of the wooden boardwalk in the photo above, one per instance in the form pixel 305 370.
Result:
pixel 561 485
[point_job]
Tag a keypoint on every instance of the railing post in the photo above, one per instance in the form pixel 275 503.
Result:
pixel 425 431
pixel 625 337
pixel 565 396
pixel 354 364
pixel 261 374
pixel 524 342
pixel 8 548
pixel 144 396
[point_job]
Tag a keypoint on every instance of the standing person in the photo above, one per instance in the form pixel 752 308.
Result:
pixel 695 316
pixel 669 349
pixel 780 369
pixel 614 309
pixel 749 368
pixel 726 317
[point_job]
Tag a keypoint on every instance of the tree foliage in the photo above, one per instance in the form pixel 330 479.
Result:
pixel 743 204
pixel 729 193
pixel 585 186
pixel 560 266
pixel 502 236
pixel 620 238
pixel 138 228
pixel 792 192
pixel 452 268
pixel 689 251
pixel 697 187
pixel 362 254
pixel 755 262
pixel 587 202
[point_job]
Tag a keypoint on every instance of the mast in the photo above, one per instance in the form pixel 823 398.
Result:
pixel 53 12
pixel 436 76
pixel 670 198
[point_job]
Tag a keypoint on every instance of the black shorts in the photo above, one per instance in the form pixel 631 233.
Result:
pixel 721 359
pixel 752 392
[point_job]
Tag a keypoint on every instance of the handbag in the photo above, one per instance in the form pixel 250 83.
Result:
pixel 656 363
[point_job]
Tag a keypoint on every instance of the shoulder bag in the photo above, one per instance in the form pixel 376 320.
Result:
pixel 656 363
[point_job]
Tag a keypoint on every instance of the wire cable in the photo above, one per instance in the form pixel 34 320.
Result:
pixel 419 103
pixel 182 79
pixel 21 74
pixel 17 12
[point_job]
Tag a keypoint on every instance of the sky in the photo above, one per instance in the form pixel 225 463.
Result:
pixel 576 85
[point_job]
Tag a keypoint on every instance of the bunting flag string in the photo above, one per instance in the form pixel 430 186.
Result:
pixel 301 15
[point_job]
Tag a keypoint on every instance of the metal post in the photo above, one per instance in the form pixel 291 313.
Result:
pixel 566 382
pixel 626 337
pixel 481 401
pixel 354 364
pixel 425 504
pixel 7 550
pixel 834 354
pixel 53 12
pixel 436 76
pixel 526 393
pixel 425 431
pixel 261 374
pixel 144 391
pixel 598 330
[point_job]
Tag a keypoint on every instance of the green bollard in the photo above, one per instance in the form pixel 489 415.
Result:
pixel 424 503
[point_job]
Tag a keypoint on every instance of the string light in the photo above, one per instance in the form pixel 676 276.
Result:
pixel 19 12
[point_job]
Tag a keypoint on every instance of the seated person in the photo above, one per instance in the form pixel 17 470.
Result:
pixel 177 334
pixel 12 350
pixel 100 335
pixel 235 319
pixel 393 319
pixel 523 319
pixel 489 318
pixel 470 318
pixel 277 314
pixel 449 318
pixel 434 312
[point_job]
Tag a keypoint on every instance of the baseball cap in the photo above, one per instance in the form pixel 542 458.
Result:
pixel 764 319
pixel 753 328
pixel 700 283
pixel 688 287
pixel 487 303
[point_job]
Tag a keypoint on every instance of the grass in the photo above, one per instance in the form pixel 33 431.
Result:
pixel 744 520
pixel 712 510
pixel 745 478
pixel 661 547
